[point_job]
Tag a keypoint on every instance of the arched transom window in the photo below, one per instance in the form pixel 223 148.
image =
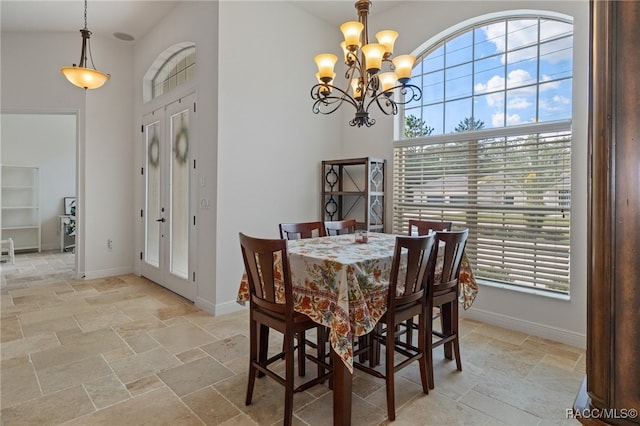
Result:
pixel 173 67
pixel 180 67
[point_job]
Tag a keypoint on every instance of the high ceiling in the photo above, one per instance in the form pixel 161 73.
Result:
pixel 136 18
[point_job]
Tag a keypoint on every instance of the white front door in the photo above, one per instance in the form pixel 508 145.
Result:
pixel 169 211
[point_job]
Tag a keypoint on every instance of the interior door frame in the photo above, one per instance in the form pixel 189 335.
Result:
pixel 80 171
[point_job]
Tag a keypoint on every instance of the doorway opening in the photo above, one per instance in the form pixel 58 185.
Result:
pixel 39 181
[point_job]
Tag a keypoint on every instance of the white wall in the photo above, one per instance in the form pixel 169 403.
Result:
pixel 32 83
pixel 46 141
pixel 270 144
pixel 419 21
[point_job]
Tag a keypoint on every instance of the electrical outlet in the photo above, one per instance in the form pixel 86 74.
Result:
pixel 110 244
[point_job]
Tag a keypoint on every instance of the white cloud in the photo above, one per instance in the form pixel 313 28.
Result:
pixel 513 119
pixel 525 33
pixel 557 103
pixel 519 103
pixel 497 119
pixel 495 34
pixel 515 78
pixel 519 77
pixel 547 85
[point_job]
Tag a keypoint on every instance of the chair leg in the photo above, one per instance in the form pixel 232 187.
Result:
pixel 422 343
pixel 428 348
pixel 321 353
pixel 288 382
pixel 390 373
pixel 302 343
pixel 253 357
pixel 446 315
pixel 263 339
pixel 456 341
pixel 409 331
pixel 374 353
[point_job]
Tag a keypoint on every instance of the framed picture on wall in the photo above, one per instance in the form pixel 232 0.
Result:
pixel 70 206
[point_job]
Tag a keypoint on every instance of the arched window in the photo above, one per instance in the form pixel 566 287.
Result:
pixel 173 67
pixel 489 146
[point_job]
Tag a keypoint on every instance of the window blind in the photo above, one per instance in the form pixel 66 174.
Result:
pixel 510 187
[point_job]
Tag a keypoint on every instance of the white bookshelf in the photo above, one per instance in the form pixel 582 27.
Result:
pixel 21 206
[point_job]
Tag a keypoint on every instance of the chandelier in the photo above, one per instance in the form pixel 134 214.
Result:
pixel 81 75
pixel 366 85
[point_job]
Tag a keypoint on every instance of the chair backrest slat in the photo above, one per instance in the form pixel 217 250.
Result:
pixel 295 231
pixel 414 252
pixel 339 227
pixel 424 226
pixel 454 244
pixel 267 267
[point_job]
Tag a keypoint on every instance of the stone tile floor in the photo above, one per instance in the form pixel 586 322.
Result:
pixel 125 351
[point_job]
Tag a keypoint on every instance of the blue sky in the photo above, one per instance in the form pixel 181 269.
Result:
pixel 493 71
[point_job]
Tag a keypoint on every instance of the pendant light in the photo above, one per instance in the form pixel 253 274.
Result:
pixel 81 75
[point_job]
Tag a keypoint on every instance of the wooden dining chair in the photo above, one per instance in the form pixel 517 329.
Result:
pixel 294 231
pixel 423 227
pixel 339 227
pixel 267 284
pixel 406 298
pixel 442 292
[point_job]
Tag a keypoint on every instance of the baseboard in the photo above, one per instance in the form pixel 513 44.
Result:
pixel 205 305
pixel 228 307
pixel 103 273
pixel 547 332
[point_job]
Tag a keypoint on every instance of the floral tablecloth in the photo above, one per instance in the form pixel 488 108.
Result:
pixel 343 285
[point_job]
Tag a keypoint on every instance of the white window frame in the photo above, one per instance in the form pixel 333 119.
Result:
pixel 404 210
pixel 161 64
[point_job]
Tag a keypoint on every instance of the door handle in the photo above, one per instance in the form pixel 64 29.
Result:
pixel 160 220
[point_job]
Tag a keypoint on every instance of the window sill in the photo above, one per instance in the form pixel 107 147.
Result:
pixel 536 292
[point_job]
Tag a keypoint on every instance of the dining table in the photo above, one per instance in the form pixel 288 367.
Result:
pixel 342 284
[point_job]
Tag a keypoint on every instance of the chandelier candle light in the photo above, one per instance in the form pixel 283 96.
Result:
pixel 366 85
pixel 81 75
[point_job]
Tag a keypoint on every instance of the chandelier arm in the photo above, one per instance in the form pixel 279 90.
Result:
pixel 388 104
pixel 416 93
pixel 322 100
pixel 89 58
pixel 86 34
pixel 345 95
pixel 90 55
pixel 353 63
